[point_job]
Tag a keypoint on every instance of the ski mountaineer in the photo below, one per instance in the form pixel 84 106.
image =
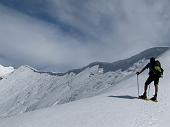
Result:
pixel 155 72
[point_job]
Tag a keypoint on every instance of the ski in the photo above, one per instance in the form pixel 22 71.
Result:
pixel 143 99
pixel 146 99
pixel 153 100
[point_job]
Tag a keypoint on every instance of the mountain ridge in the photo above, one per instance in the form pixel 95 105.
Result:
pixel 113 66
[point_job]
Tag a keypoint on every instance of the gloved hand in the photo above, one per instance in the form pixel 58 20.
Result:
pixel 137 73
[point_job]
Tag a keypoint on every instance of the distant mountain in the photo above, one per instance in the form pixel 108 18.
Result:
pixel 27 89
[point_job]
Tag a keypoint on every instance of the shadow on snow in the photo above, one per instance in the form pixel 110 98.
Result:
pixel 124 97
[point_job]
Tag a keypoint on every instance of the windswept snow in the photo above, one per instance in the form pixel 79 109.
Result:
pixel 117 108
pixel 27 90
pixel 4 71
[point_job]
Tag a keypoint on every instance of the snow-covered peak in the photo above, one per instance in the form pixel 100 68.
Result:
pixel 4 71
pixel 26 68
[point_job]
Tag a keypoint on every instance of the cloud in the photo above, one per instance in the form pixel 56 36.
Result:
pixel 130 24
pixel 29 41
pixel 106 28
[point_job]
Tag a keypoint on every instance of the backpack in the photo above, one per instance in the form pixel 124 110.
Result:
pixel 158 69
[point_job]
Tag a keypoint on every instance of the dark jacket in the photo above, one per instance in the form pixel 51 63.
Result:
pixel 151 67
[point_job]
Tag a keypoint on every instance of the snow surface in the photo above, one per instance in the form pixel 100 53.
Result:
pixel 26 90
pixel 4 71
pixel 116 108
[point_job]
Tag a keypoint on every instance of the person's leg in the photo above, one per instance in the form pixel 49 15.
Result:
pixel 156 82
pixel 145 88
pixel 148 81
pixel 154 98
pixel 156 89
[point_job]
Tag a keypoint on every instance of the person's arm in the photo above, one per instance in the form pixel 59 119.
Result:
pixel 142 69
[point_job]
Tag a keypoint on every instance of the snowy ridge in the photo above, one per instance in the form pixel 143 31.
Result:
pixel 41 72
pixel 116 108
pixel 33 69
pixel 26 89
pixel 125 64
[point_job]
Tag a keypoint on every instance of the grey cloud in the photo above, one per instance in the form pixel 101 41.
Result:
pixel 116 21
pixel 107 28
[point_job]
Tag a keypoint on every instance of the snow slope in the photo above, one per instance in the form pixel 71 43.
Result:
pixel 27 89
pixel 117 108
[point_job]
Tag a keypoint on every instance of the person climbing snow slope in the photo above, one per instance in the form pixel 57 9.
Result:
pixel 155 72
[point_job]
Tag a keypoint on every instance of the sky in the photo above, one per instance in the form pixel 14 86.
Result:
pixel 59 35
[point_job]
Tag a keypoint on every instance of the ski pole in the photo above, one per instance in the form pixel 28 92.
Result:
pixel 138 84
